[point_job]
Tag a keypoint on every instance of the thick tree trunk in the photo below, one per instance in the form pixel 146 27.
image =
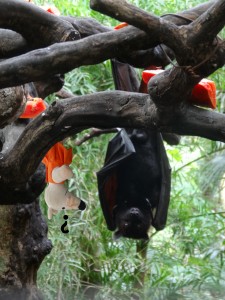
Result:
pixel 23 240
pixel 23 246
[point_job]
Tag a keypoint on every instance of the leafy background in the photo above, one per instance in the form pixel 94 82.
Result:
pixel 185 260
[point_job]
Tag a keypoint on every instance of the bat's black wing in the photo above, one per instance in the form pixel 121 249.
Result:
pixel 159 221
pixel 124 76
pixel 119 149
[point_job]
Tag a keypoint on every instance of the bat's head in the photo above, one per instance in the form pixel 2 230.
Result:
pixel 132 223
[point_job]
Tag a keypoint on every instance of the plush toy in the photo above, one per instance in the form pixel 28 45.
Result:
pixel 57 161
pixel 57 196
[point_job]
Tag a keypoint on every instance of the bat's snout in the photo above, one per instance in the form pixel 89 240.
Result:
pixel 134 211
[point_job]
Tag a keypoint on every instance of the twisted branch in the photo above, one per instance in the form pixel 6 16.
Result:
pixel 34 24
pixel 160 29
pixel 208 25
pixel 101 110
pixel 205 28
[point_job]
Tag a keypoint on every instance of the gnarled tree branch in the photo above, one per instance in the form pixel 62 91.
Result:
pixel 46 29
pixel 11 43
pixel 12 103
pixel 102 110
pixel 63 57
pixel 67 117
pixel 172 36
pixel 160 29
pixel 86 26
pixel 208 25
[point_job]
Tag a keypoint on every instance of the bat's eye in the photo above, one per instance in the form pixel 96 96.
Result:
pixel 124 227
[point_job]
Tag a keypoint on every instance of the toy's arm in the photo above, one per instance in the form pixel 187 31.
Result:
pixel 60 174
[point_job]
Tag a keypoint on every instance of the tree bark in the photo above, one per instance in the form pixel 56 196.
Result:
pixel 23 240
pixel 12 104
pixel 46 28
pixel 23 246
pixel 11 43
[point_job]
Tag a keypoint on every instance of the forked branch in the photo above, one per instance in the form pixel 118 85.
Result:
pixel 203 29
pixel 101 110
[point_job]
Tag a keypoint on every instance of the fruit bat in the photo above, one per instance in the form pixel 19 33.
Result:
pixel 134 183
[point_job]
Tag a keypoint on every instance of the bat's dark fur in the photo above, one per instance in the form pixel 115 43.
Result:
pixel 139 184
pixel 134 194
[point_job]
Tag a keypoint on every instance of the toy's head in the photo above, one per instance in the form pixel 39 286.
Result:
pixel 51 211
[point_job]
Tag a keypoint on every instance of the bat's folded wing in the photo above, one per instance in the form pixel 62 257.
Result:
pixel 163 205
pixel 119 149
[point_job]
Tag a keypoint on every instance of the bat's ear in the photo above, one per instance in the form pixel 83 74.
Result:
pixel 117 234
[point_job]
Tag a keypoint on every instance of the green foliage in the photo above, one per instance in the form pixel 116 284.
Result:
pixel 184 261
pixel 89 79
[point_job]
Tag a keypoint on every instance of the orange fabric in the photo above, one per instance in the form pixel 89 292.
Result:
pixel 33 108
pixel 148 74
pixel 203 93
pixel 146 77
pixel 57 156
pixel 121 25
pixel 51 9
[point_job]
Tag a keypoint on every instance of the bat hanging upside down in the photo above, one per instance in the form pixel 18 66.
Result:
pixel 134 184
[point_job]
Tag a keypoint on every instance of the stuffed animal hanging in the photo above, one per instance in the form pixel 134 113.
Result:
pixel 57 197
pixel 57 161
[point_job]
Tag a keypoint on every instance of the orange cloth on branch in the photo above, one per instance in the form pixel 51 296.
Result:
pixel 57 156
pixel 52 9
pixel 203 93
pixel 121 25
pixel 33 108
